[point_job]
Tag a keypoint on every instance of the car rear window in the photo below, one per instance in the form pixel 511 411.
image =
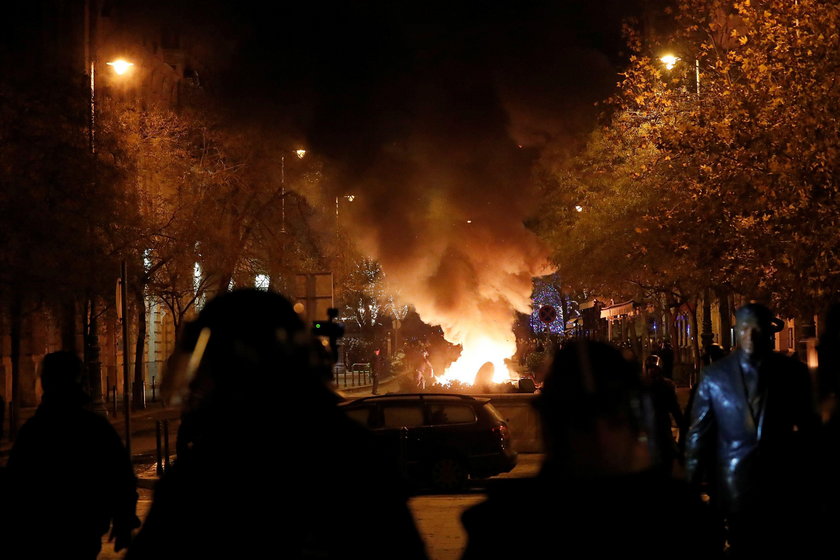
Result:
pixel 493 412
pixel 398 416
pixel 450 414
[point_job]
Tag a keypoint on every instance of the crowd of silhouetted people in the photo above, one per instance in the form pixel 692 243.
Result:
pixel 281 472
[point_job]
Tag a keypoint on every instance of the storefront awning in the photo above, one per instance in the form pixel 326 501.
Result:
pixel 618 309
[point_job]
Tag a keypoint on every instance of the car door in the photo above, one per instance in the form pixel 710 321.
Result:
pixel 401 432
pixel 451 428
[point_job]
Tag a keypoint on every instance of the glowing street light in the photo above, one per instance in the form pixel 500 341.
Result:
pixel 120 66
pixel 300 153
pixel 706 335
pixel 669 61
pixel 347 197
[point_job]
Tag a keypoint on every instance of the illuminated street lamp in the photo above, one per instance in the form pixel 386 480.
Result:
pixel 347 197
pixel 120 66
pixel 670 61
pixel 706 335
pixel 300 153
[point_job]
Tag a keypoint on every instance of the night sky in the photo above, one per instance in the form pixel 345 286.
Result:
pixel 361 73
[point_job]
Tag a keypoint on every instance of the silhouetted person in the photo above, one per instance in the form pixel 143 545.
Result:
pixel 752 423
pixel 599 493
pixel 271 468
pixel 667 411
pixel 69 477
pixel 713 353
pixel 424 374
pixel 666 354
pixel 377 370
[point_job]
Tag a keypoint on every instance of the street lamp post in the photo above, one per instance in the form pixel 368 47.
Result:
pixel 706 335
pixel 348 198
pixel 92 348
pixel 300 153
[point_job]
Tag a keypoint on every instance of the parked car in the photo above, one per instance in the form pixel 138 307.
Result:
pixel 438 439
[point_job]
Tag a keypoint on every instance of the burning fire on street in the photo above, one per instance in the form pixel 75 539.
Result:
pixel 443 210
pixel 474 357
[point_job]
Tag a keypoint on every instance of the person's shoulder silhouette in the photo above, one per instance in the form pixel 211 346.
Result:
pixel 69 476
pixel 600 491
pixel 267 463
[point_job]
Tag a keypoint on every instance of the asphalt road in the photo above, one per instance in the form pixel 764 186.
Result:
pixel 437 515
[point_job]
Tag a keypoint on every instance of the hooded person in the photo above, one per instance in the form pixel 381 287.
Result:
pixel 268 466
pixel 600 488
pixel 69 479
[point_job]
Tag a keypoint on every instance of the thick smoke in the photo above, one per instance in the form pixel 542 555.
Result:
pixel 440 200
pixel 424 124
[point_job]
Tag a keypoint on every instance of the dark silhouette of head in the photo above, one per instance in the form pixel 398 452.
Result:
pixel 61 374
pixel 713 353
pixel 595 412
pixel 244 346
pixel 653 366
pixel 754 327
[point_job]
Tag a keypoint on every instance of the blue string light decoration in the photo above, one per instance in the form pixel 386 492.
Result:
pixel 546 293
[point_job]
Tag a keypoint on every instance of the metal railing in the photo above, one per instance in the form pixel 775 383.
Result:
pixel 359 374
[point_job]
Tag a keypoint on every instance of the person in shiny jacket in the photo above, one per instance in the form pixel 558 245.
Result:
pixel 751 438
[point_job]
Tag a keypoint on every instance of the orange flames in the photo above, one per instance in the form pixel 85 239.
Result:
pixel 480 347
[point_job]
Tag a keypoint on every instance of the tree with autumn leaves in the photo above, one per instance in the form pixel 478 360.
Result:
pixel 718 173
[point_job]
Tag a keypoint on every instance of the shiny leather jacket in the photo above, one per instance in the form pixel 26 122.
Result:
pixel 744 448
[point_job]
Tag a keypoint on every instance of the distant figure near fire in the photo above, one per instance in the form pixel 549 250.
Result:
pixel 424 374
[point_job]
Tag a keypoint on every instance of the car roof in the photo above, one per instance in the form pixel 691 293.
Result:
pixel 396 397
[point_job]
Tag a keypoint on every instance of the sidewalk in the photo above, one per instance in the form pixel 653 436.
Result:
pixel 388 384
pixel 143 435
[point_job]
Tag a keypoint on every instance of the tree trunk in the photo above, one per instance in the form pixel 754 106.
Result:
pixel 139 348
pixel 695 343
pixel 634 337
pixel 645 340
pixel 668 327
pixel 93 365
pixel 15 314
pixel 707 337
pixel 725 320
pixel 68 327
